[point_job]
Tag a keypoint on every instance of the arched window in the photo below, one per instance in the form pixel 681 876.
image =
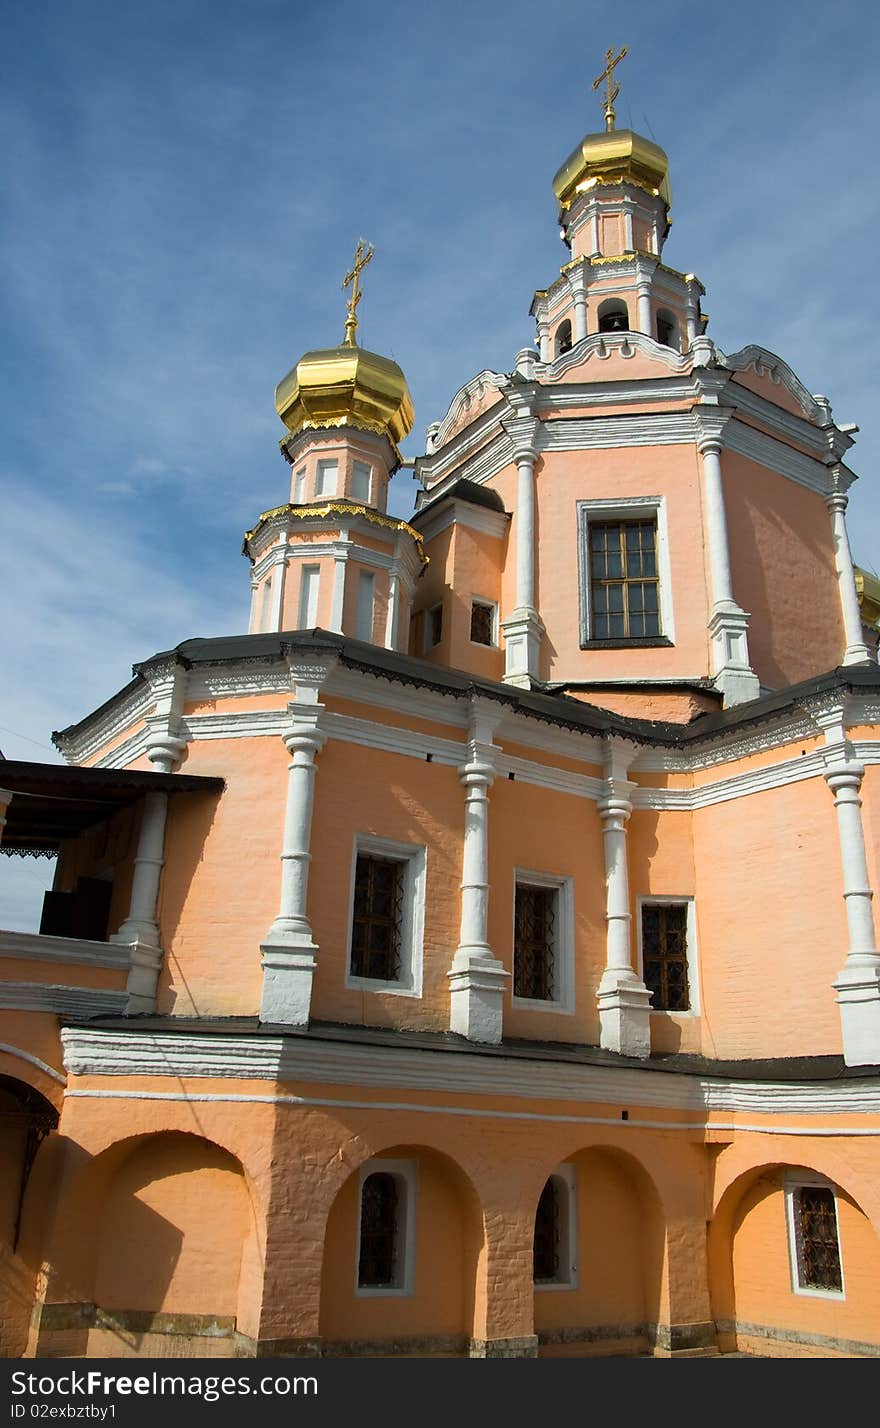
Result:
pixel 613 316
pixel 667 329
pixel 379 1252
pixel 555 1234
pixel 563 338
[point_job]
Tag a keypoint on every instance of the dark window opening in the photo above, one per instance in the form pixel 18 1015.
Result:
pixel 666 330
pixel 614 319
pixel 534 943
pixel 624 585
pixel 435 624
pixel 817 1240
pixel 548 1236
pixel 664 955
pixel 378 1250
pixel 563 338
pixel 378 918
pixel 482 623
pixel 84 912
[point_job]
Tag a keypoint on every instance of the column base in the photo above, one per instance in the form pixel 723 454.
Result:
pixel 476 998
pixel 145 959
pixel 525 1346
pixel 858 654
pixel 625 1018
pixel 858 990
pixel 288 972
pixel 523 630
pixel 734 676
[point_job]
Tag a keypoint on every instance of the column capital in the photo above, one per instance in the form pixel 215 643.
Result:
pixel 164 747
pixel 303 734
pixel 308 674
pixel 836 501
pixel 522 429
pixel 842 777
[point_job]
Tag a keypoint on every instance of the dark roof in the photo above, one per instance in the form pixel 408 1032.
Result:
pixel 52 802
pixel 775 1068
pixel 462 490
pixel 550 707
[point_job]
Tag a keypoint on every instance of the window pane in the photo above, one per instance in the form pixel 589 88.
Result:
pixel 534 942
pixel 623 579
pixel 482 622
pixel 377 919
pixel 818 1245
pixel 377 1257
pixel 664 955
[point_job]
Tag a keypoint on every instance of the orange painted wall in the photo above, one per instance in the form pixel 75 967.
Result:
pixel 782 565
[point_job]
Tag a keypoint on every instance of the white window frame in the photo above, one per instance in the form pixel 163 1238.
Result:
pixel 693 961
pixel 303 622
pixel 566 1178
pixel 793 1181
pixel 412 932
pixel 405 1173
pixel 487 605
pixel 625 508
pixel 427 642
pixel 325 466
pixel 359 468
pixel 563 949
pixel 299 486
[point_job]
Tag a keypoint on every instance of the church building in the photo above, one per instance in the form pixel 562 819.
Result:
pixel 476 956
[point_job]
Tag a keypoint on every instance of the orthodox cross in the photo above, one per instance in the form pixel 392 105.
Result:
pixel 362 255
pixel 611 89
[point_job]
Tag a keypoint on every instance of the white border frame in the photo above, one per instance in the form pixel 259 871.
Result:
pixel 693 961
pixel 792 1181
pixel 415 857
pixel 566 1174
pixel 487 605
pixel 364 500
pixel 406 1173
pixel 564 1002
pixel 299 485
pixel 324 463
pixel 628 508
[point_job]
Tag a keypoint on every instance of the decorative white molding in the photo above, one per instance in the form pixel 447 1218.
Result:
pixel 461 513
pixel 8 1049
pixel 69 951
pixel 311 1060
pixel 627 508
pixel 62 1000
pixel 767 364
pixel 97 730
pixel 413 858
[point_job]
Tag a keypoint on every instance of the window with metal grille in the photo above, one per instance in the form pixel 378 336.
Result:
pixel 482 623
pixel 377 918
pixel 624 585
pixel 816 1238
pixel 378 1252
pixel 534 943
pixel 665 955
pixel 548 1235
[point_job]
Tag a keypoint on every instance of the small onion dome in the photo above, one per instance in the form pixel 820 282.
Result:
pixel 617 156
pixel 346 386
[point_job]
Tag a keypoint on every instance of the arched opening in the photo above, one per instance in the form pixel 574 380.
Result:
pixel 26 1119
pixel 562 342
pixel 667 329
pixel 613 316
pixel 794 1266
pixel 400 1255
pixel 599 1247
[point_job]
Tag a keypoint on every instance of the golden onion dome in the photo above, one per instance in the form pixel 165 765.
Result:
pixel 617 156
pixel 346 386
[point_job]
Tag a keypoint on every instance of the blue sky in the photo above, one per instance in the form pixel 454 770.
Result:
pixel 185 185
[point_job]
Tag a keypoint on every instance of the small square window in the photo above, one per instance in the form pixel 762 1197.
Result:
pixel 482 623
pixel 814 1238
pixel 665 955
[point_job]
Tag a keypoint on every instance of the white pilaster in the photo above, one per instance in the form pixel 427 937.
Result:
pixel 643 292
pixel 476 978
pixel 594 231
pixel 691 314
pixel 729 623
pixel 624 1000
pixel 856 650
pixel 340 557
pixel 522 628
pixel 253 622
pixel 579 297
pixel 628 243
pixel 279 570
pixel 289 951
pixel 858 984
pixel 393 606
pixel 544 340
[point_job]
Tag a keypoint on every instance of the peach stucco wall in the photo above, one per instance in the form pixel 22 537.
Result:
pixel 782 565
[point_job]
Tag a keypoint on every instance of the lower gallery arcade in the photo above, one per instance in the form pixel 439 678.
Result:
pixel 564 1209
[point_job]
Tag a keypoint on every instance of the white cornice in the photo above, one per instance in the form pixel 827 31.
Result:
pixel 62 1000
pixel 465 397
pixel 462 513
pixel 97 730
pixel 222 681
pixel 184 1056
pixel 72 951
pixel 767 364
pixel 776 456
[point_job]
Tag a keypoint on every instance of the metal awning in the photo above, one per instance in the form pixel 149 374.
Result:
pixel 52 802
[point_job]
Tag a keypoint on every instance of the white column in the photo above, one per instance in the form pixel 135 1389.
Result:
pixel 476 978
pixel 393 605
pixel 340 556
pixel 544 340
pixel 594 230
pixel 628 229
pixel 253 623
pixel 624 1000
pixel 579 295
pixel 856 650
pixel 289 950
pixel 728 625
pixel 141 924
pixel 279 569
pixel 691 311
pixel 522 628
pixel 643 292
pixel 858 985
